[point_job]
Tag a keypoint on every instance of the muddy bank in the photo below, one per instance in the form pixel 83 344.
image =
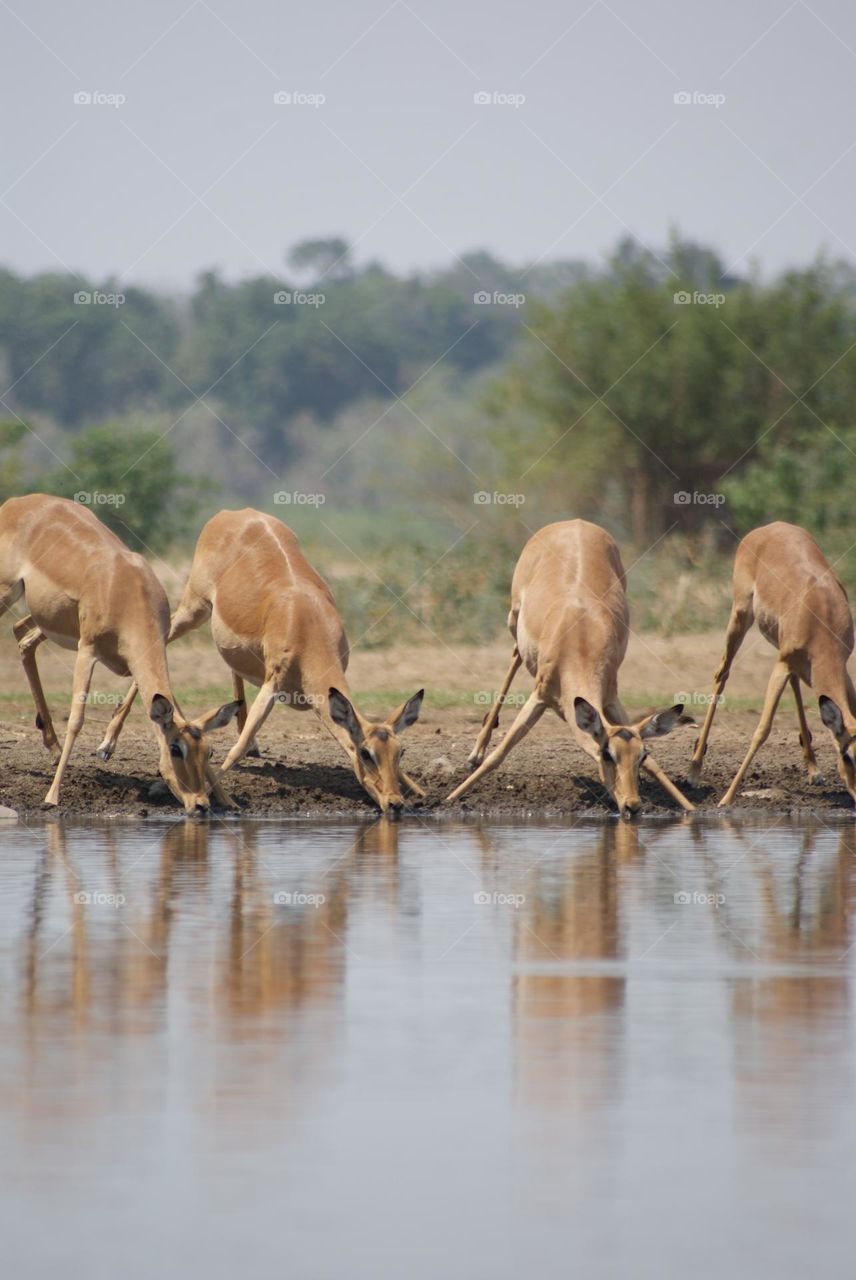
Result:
pixel 303 773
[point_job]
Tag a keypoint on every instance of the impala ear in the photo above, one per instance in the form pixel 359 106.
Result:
pixel 343 714
pixel 219 717
pixel 831 716
pixel 161 711
pixel 588 719
pixel 407 714
pixel 662 722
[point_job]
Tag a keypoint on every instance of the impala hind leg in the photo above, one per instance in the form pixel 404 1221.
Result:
pixel 814 774
pixel 741 620
pixel 491 720
pixel 526 718
pixel 776 687
pixel 83 668
pixel 238 686
pixel 29 638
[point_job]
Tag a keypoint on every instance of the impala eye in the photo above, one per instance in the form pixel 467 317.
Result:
pixel 176 752
pixel 366 755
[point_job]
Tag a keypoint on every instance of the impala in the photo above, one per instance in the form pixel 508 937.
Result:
pixel 276 625
pixel 570 622
pixel 782 580
pixel 86 591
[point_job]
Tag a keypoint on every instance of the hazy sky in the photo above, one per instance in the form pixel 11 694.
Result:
pixel 200 168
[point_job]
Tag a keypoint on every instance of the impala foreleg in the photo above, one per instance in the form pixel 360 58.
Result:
pixel 775 688
pixel 651 766
pixel 114 728
pixel 256 716
pixel 492 718
pixel 238 686
pixel 526 718
pixel 739 623
pixel 809 757
pixel 83 668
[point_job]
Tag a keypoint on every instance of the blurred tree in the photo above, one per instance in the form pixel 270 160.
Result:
pixel 129 477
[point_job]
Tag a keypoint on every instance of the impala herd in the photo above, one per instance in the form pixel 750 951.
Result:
pixel 275 624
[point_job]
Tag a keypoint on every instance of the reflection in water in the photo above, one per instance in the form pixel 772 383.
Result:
pixel 300 1023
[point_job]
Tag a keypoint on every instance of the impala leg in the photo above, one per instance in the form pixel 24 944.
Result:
pixel 805 734
pixel 114 728
pixel 526 718
pixel 411 784
pixel 83 668
pixel 241 717
pixel 739 623
pixel 775 688
pixel 651 766
pixel 256 716
pixel 492 718
pixel 29 638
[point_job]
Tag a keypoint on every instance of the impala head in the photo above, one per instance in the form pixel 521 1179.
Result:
pixel 189 750
pixel 622 749
pixel 378 750
pixel 831 716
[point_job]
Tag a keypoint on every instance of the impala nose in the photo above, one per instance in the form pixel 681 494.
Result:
pixel 631 809
pixel 201 811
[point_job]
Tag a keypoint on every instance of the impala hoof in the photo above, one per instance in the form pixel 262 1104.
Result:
pixel 816 780
pixel 254 753
pixel 104 753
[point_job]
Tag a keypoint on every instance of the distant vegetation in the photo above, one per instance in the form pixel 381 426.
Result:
pixel 654 393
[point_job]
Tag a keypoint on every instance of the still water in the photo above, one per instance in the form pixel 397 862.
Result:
pixel 414 1050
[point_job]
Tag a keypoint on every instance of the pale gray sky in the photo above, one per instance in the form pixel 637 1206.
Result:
pixel 199 167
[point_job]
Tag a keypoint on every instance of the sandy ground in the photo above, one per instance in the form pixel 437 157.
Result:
pixel 303 772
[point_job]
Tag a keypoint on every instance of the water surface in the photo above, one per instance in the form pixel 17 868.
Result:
pixel 421 1050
